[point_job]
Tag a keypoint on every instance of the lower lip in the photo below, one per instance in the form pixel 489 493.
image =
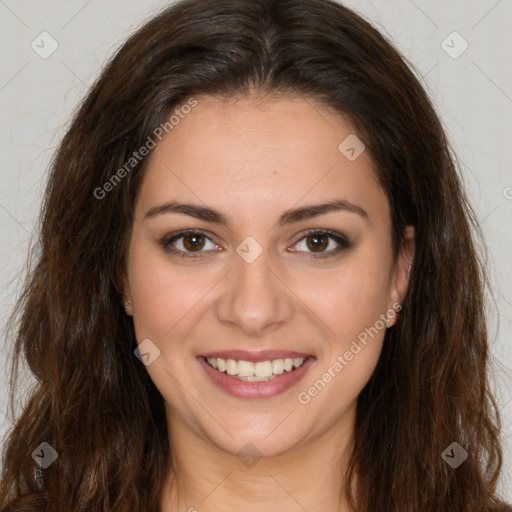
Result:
pixel 261 389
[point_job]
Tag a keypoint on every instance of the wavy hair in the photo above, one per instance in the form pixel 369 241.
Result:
pixel 93 401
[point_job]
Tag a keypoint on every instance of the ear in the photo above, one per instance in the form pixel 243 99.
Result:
pixel 401 273
pixel 126 294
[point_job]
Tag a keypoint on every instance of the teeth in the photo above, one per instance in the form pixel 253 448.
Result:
pixel 255 379
pixel 231 367
pixel 245 368
pixel 260 371
pixel 263 369
pixel 297 361
pixel 278 366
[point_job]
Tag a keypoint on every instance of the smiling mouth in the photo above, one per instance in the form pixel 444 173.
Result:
pixel 260 371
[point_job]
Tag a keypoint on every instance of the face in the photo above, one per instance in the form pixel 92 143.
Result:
pixel 292 297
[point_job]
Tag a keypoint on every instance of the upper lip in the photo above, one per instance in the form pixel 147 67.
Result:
pixel 255 355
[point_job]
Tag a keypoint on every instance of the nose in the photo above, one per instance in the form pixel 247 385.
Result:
pixel 256 300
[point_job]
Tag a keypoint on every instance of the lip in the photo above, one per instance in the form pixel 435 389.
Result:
pixel 255 356
pixel 244 389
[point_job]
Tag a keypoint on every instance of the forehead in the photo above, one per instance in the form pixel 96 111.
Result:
pixel 251 155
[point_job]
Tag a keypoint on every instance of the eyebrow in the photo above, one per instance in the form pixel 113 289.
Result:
pixel 289 217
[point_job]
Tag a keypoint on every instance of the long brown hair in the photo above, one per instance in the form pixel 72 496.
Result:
pixel 94 403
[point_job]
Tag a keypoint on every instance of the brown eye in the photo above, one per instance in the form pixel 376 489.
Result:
pixel 321 243
pixel 317 243
pixel 188 243
pixel 193 242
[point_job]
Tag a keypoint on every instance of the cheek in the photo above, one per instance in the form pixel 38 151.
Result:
pixel 163 297
pixel 350 298
pixel 349 302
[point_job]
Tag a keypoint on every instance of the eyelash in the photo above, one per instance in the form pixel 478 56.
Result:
pixel 341 240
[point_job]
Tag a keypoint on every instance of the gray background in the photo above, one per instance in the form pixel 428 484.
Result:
pixel 472 92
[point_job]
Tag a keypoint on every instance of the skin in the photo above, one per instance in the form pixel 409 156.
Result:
pixel 252 160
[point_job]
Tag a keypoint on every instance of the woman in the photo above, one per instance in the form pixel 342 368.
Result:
pixel 256 282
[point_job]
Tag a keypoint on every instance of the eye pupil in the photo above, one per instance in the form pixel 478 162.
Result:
pixel 197 241
pixel 319 242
